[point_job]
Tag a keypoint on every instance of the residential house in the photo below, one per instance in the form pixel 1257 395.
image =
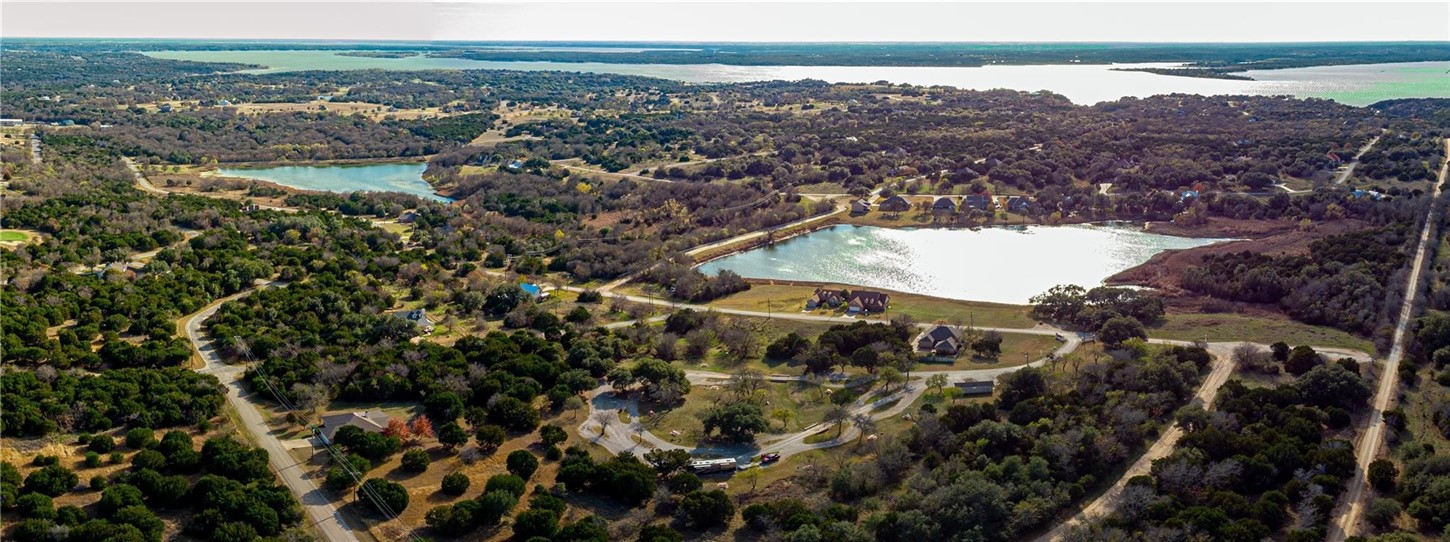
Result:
pixel 408 217
pixel 866 301
pixel 976 387
pixel 11 122
pixel 515 165
pixel 978 201
pixel 120 268
pixel 944 205
pixel 372 421
pixel 894 204
pixel 943 341
pixel 1018 204
pixel 824 297
pixel 420 319
pixel 163 108
pixel 860 207
pixel 1187 195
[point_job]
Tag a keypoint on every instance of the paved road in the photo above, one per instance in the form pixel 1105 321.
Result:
pixel 320 509
pixel 619 174
pixel 760 233
pixel 1349 169
pixel 620 437
pixel 1347 515
pixel 140 259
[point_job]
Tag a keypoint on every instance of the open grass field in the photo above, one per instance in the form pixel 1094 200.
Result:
pixel 1017 349
pixel 787 298
pixel 14 236
pixel 806 403
pixel 1235 327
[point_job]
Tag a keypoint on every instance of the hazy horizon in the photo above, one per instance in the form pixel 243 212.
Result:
pixel 722 22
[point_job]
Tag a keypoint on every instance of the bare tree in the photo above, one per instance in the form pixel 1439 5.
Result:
pixel 604 418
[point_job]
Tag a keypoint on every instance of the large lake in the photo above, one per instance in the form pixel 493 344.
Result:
pixel 406 178
pixel 1003 264
pixel 1360 84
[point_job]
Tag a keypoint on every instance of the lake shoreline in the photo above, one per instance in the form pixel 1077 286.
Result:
pixel 232 170
pixel 1016 261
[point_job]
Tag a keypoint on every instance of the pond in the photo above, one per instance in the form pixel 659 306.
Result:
pixel 406 178
pixel 1003 264
pixel 1358 84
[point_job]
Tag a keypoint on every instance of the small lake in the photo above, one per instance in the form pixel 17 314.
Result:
pixel 1359 84
pixel 406 178
pixel 1002 264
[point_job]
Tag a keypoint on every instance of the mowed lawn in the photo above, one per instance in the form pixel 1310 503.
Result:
pixel 13 236
pixel 1235 327
pixel 791 299
pixel 807 405
pixel 1014 345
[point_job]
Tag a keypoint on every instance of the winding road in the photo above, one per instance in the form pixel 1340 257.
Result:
pixel 1347 515
pixel 320 508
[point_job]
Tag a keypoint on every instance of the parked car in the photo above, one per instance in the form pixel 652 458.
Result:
pixel 766 459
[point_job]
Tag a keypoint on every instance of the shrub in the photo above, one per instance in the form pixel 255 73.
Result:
pixel 98 482
pixel 148 459
pixel 507 483
pixel 706 509
pixel 1382 513
pixel 682 483
pixel 552 435
pixel 493 506
pixel 553 453
pixel 51 480
pixel 415 461
pixel 140 437
pixel 36 505
pixel 455 483
pixel 522 463
pixel 1382 475
pixel 391 498
pixel 102 444
pixel 536 522
pixel 489 438
pixel 93 460
pixel 117 457
pixel 659 532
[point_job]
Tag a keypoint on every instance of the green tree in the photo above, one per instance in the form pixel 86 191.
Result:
pixel 490 437
pixel 494 505
pixel 521 463
pixel 455 483
pixel 706 509
pixel 1383 474
pixel 1121 328
pixel 552 435
pixel 737 422
pixel 452 435
pixel 659 532
pixel 536 522
pixel 1301 359
pixel 385 497
pixel 415 461
pixel 51 480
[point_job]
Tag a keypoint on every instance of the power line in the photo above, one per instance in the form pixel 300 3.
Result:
pixel 337 456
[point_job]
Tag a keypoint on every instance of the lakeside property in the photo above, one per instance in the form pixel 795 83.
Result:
pixel 1358 84
pixel 388 177
pixel 1007 264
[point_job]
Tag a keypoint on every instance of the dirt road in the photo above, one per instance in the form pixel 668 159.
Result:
pixel 321 511
pixel 1346 517
pixel 1349 168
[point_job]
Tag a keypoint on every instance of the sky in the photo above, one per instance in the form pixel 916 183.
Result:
pixel 691 21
